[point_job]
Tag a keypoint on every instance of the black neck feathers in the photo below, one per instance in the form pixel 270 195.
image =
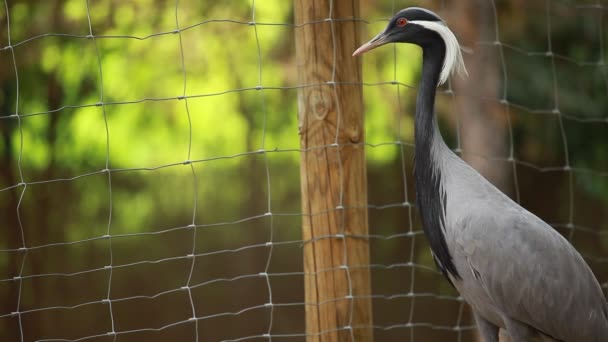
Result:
pixel 430 196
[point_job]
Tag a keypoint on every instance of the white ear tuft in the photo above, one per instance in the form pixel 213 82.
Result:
pixel 453 61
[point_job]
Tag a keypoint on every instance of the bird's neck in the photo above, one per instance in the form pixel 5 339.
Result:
pixel 426 128
pixel 429 154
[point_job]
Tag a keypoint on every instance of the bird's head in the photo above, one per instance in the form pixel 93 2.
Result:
pixel 426 29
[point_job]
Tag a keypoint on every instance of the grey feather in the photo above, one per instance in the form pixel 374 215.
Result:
pixel 518 267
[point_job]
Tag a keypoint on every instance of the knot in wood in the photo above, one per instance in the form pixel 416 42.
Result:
pixel 320 103
pixel 354 135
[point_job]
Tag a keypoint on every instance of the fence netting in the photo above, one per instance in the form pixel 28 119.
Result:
pixel 149 179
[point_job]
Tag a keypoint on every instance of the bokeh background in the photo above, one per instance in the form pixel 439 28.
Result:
pixel 125 124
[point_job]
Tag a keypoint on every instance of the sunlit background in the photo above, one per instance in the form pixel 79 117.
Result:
pixel 125 124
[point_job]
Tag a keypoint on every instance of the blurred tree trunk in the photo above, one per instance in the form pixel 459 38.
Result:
pixel 482 118
pixel 9 204
pixel 8 177
pixel 42 222
pixel 482 123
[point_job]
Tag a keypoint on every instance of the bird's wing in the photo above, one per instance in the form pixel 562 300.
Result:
pixel 533 274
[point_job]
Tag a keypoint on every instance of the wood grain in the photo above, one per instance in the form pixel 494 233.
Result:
pixel 333 172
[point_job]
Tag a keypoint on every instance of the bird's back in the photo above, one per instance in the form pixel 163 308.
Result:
pixel 514 264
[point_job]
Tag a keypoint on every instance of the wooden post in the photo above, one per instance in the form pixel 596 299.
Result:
pixel 333 176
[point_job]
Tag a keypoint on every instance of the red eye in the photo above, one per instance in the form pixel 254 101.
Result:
pixel 401 22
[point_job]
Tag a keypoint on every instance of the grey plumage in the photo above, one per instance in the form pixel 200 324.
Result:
pixel 514 266
pixel 515 271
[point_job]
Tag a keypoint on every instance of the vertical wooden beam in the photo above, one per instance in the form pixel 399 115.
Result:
pixel 333 172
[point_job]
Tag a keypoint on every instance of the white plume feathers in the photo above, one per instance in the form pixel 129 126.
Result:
pixel 453 61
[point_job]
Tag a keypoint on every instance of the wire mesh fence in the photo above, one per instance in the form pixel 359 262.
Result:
pixel 150 186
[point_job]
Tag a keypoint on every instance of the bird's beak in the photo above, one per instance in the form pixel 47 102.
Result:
pixel 378 40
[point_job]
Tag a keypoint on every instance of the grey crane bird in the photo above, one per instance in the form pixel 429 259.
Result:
pixel 515 271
